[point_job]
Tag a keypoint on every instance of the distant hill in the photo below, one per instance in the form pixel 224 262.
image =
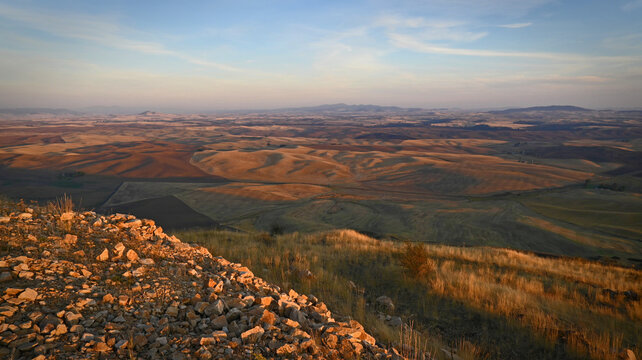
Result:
pixel 33 111
pixel 541 108
pixel 114 110
pixel 148 113
pixel 348 108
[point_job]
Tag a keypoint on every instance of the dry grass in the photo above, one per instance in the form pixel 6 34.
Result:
pixel 563 300
pixel 61 205
pixel 557 307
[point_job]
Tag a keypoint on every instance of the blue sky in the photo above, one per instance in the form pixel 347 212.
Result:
pixel 204 55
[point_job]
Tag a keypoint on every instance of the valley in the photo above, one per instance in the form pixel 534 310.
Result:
pixel 495 234
pixel 518 178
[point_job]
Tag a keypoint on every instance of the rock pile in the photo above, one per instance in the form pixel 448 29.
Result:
pixel 81 285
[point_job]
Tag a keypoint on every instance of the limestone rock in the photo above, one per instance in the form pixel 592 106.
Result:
pixel 131 255
pixel 286 349
pixel 66 216
pixel 28 295
pixel 104 255
pixel 58 303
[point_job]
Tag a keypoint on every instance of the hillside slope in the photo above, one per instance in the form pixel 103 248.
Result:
pixel 81 285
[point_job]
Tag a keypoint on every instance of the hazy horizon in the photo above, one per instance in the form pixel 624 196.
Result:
pixel 134 110
pixel 253 55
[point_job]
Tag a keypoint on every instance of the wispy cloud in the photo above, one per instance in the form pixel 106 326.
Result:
pixel 550 79
pixel 632 5
pixel 413 44
pixel 629 42
pixel 98 31
pixel 516 25
pixel 410 43
pixel 479 8
pixel 430 29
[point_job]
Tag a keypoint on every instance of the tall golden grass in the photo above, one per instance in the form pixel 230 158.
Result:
pixel 573 308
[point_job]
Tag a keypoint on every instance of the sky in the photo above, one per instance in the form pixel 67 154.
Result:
pixel 212 55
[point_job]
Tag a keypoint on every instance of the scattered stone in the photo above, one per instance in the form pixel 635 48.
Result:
pixel 8 311
pixel 120 249
pixel 172 311
pixel 630 355
pixel 72 318
pixel 219 322
pixel 395 321
pixel 131 255
pixel 70 239
pixel 102 347
pixel 121 344
pixel 28 295
pixel 66 216
pixel 252 335
pixel 286 350
pixel 104 256
pixel 191 305
pixel 60 330
pixel 147 261
pixel 108 298
pixel 268 317
pixel 201 306
pixel 385 303
pixel 24 216
pixel 209 340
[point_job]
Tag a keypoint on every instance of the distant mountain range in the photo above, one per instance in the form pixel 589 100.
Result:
pixel 541 108
pixel 35 111
pixel 345 108
pixel 326 108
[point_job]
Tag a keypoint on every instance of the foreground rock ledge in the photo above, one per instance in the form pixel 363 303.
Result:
pixel 81 285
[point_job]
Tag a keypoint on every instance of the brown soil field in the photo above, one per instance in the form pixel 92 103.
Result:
pixel 130 160
pixel 325 164
pixel 285 165
pixel 13 140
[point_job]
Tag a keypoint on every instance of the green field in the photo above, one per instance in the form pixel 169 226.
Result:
pixel 605 211
pixel 571 222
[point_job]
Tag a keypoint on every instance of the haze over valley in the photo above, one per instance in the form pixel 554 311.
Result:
pixel 334 180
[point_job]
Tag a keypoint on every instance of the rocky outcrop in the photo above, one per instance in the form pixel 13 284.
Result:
pixel 81 285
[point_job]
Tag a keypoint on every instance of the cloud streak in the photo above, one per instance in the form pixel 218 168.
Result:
pixel 99 31
pixel 516 25
pixel 632 5
pixel 410 43
pixel 430 30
